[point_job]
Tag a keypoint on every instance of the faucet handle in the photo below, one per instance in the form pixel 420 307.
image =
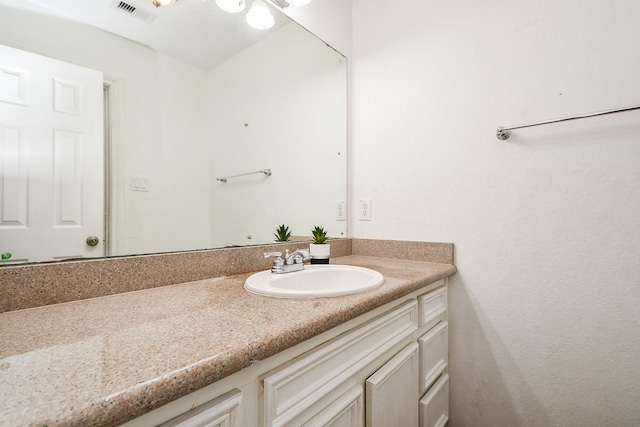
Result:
pixel 296 257
pixel 278 262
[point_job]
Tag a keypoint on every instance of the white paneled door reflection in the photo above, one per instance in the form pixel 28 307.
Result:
pixel 51 158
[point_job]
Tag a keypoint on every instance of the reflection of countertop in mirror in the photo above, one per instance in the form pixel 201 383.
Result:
pixel 102 361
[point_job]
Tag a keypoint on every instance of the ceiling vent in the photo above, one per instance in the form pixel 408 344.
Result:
pixel 134 11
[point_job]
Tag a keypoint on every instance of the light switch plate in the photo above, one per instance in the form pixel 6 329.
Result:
pixel 139 183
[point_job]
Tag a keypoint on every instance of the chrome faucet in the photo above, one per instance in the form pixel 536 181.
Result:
pixel 293 261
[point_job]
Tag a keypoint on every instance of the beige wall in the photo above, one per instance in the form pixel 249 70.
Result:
pixel 544 317
pixel 294 109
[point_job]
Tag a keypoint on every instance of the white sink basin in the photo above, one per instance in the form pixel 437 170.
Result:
pixel 315 281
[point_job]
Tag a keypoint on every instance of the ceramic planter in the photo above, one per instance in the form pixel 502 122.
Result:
pixel 320 253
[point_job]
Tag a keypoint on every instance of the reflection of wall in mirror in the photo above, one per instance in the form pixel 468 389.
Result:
pixel 279 104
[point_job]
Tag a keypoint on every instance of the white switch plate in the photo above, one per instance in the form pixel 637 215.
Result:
pixel 364 210
pixel 341 210
pixel 139 183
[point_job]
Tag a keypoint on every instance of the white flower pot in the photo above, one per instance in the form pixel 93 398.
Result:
pixel 320 251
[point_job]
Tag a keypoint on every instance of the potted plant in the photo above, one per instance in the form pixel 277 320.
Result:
pixel 319 248
pixel 282 233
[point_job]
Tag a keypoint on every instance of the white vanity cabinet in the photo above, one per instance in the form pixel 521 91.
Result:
pixel 383 369
pixel 420 369
pixel 302 388
pixel 398 359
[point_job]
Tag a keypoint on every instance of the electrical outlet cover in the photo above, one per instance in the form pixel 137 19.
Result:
pixel 364 210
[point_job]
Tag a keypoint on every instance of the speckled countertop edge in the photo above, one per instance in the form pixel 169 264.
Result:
pixel 128 388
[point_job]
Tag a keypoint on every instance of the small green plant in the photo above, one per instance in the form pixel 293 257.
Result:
pixel 319 235
pixel 6 256
pixel 282 233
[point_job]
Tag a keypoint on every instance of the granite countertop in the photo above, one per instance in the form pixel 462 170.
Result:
pixel 103 361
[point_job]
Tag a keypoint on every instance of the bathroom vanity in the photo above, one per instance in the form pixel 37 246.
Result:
pixel 210 350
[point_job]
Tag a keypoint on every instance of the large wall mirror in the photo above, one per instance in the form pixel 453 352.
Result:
pixel 168 129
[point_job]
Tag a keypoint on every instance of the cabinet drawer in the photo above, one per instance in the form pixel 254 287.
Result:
pixel 291 390
pixel 434 406
pixel 434 351
pixel 219 412
pixel 432 307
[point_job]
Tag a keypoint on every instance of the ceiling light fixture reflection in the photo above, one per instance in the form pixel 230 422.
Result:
pixel 158 3
pixel 231 6
pixel 259 16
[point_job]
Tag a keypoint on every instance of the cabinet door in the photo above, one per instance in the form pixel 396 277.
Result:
pixel 392 391
pixel 219 412
pixel 346 411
